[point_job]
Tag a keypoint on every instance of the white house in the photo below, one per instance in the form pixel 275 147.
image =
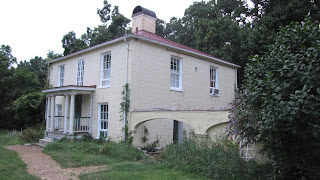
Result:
pixel 172 88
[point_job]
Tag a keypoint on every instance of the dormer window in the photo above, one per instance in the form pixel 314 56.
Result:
pixel 214 90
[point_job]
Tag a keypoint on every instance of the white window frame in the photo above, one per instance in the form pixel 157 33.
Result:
pixel 103 119
pixel 61 72
pixel 80 73
pixel 105 82
pixel 58 120
pixel 214 81
pixel 175 70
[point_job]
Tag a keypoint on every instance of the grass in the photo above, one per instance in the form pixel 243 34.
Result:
pixel 123 161
pixel 143 170
pixel 11 166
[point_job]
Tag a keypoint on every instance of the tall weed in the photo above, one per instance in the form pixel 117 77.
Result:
pixel 217 160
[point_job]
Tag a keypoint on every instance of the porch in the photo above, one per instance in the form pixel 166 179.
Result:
pixel 68 111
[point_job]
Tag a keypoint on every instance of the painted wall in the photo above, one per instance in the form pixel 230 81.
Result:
pixel 150 80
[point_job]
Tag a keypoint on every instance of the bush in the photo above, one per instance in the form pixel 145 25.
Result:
pixel 32 134
pixel 280 104
pixel 216 160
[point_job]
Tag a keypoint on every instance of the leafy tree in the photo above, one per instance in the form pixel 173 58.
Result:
pixel 280 104
pixel 71 44
pixel 29 109
pixel 100 34
pixel 38 66
pixel 6 75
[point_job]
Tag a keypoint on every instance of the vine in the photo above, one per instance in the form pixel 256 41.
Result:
pixel 124 109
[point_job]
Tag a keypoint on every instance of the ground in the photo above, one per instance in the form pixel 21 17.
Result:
pixel 44 167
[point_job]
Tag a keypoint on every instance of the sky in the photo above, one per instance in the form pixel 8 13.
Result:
pixel 33 27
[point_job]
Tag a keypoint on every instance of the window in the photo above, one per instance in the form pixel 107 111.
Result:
pixel 105 70
pixel 102 120
pixel 214 81
pixel 58 116
pixel 60 75
pixel 176 74
pixel 80 71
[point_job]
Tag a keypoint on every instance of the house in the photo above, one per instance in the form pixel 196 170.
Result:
pixel 173 89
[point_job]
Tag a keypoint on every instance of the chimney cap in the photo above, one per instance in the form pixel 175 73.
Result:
pixel 141 10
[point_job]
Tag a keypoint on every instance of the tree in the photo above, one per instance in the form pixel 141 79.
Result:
pixel 71 44
pixel 6 75
pixel 280 104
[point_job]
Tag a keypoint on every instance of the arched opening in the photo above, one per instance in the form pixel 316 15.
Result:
pixel 160 132
pixel 217 131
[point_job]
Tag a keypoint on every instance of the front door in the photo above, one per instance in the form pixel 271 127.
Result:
pixel 77 113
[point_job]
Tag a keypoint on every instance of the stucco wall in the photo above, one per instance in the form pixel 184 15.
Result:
pixel 111 95
pixel 150 80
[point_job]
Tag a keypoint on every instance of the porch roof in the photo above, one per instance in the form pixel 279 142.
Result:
pixel 70 88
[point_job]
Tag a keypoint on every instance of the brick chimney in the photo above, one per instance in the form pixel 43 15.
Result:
pixel 143 19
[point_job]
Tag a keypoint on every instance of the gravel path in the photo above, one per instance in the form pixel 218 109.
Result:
pixel 44 167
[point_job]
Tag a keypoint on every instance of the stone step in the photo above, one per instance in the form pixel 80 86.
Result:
pixel 45 141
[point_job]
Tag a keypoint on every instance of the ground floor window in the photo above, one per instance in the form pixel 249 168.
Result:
pixel 58 116
pixel 102 120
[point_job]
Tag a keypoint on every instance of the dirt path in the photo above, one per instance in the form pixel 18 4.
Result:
pixel 44 167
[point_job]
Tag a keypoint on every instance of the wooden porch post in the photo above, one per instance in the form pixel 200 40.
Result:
pixel 90 114
pixel 71 112
pixel 52 113
pixel 48 113
pixel 66 108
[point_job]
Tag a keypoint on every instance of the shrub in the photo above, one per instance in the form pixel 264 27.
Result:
pixel 32 134
pixel 216 160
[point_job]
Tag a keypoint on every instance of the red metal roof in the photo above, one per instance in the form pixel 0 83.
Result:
pixel 152 36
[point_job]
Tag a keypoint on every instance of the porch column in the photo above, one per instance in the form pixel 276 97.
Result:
pixel 71 113
pixel 48 113
pixel 52 112
pixel 66 109
pixel 90 113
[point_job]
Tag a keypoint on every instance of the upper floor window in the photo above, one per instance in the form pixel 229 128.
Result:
pixel 214 90
pixel 80 72
pixel 105 70
pixel 60 75
pixel 176 73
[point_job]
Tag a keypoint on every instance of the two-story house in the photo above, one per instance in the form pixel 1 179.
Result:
pixel 173 88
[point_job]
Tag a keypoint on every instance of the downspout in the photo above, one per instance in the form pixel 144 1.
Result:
pixel 125 89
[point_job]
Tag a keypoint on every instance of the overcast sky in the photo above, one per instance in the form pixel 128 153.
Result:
pixel 33 27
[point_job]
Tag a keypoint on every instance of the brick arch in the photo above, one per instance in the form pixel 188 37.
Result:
pixel 199 121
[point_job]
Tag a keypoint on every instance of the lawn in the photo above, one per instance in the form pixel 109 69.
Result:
pixel 123 161
pixel 11 166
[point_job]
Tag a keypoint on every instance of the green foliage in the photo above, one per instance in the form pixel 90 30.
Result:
pixel 32 134
pixel 124 109
pixel 100 34
pixel 280 104
pixel 29 109
pixel 215 160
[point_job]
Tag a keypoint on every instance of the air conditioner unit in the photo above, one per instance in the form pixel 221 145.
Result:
pixel 216 91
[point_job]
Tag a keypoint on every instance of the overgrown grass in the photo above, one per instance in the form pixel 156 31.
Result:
pixel 123 160
pixel 215 160
pixel 11 166
pixel 143 170
pixel 79 153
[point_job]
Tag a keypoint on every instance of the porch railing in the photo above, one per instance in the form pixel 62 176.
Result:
pixel 81 124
